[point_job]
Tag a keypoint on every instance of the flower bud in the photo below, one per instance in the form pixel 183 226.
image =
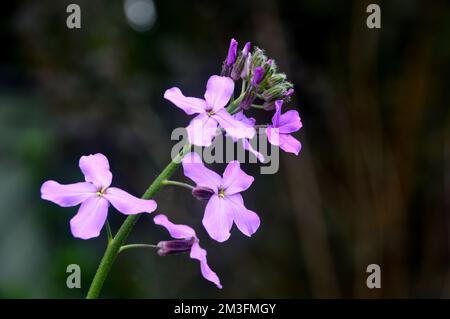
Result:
pixel 232 52
pixel 175 246
pixel 276 92
pixel 258 74
pixel 258 58
pixel 240 66
pixel 247 65
pixel 246 49
pixel 276 79
pixel 202 193
pixel 248 100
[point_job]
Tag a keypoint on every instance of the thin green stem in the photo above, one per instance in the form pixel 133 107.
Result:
pixel 256 106
pixel 114 247
pixel 180 184
pixel 109 232
pixel 133 246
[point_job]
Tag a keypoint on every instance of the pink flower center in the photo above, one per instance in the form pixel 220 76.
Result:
pixel 221 193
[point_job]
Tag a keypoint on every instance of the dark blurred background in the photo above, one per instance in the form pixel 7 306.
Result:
pixel 371 185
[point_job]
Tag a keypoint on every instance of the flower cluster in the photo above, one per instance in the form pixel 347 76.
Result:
pixel 263 88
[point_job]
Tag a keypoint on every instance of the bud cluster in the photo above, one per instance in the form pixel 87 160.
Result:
pixel 264 81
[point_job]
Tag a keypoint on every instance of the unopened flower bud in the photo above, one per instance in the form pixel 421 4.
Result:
pixel 248 99
pixel 247 66
pixel 258 58
pixel 202 193
pixel 232 52
pixel 246 49
pixel 175 246
pixel 231 58
pixel 258 74
pixel 269 106
pixel 276 92
pixel 240 64
pixel 276 79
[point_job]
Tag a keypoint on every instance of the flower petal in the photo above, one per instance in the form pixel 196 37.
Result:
pixel 96 170
pixel 67 195
pixel 128 204
pixel 200 254
pixel 195 169
pixel 233 127
pixel 240 116
pixel 218 218
pixel 190 105
pixel 247 146
pixel 91 217
pixel 218 92
pixel 290 144
pixel 177 231
pixel 276 116
pixel 246 220
pixel 202 130
pixel 273 135
pixel 235 180
pixel 289 122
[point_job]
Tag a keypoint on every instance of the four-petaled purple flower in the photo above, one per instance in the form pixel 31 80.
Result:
pixel 211 112
pixel 94 195
pixel 226 204
pixel 188 241
pixel 279 133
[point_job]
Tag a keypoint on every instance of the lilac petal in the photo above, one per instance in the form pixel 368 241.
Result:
pixel 190 105
pixel 240 116
pixel 202 130
pixel 96 170
pixel 200 254
pixel 195 169
pixel 218 92
pixel 175 230
pixel 67 195
pixel 289 122
pixel 233 127
pixel 246 220
pixel 235 180
pixel 273 135
pixel 91 217
pixel 290 144
pixel 128 204
pixel 247 146
pixel 276 116
pixel 218 218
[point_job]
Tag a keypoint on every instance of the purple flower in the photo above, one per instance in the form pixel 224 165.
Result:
pixel 226 204
pixel 232 52
pixel 188 241
pixel 94 195
pixel 211 112
pixel 282 125
pixel 240 116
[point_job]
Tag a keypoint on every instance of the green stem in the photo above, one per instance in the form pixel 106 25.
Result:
pixel 113 248
pixel 132 246
pixel 109 232
pixel 175 183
